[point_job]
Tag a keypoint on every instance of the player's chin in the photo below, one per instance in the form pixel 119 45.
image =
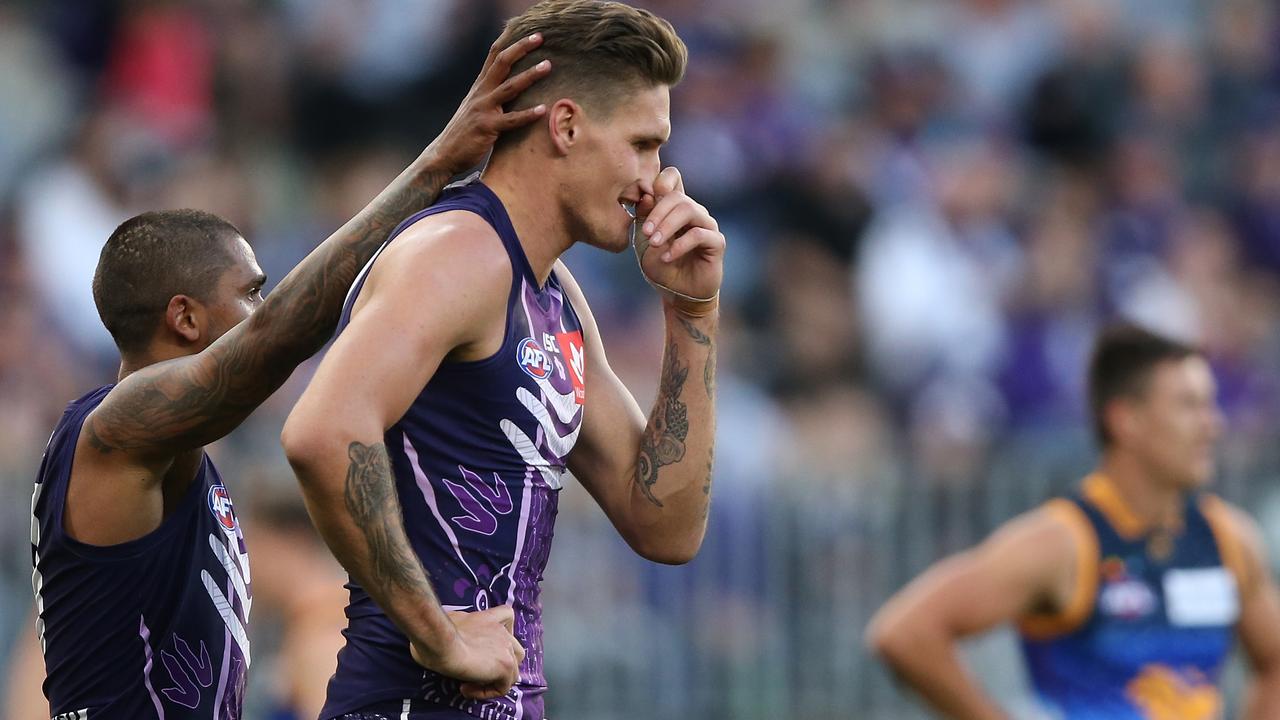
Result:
pixel 614 243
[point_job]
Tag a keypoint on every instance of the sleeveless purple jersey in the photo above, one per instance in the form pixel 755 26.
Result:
pixel 478 459
pixel 151 628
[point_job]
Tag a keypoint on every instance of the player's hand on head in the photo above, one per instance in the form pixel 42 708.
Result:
pixel 480 119
pixel 486 656
pixel 680 244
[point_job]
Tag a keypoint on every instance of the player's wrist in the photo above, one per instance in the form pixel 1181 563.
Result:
pixel 440 647
pixel 437 159
pixel 693 308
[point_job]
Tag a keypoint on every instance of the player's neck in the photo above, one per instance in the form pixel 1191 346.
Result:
pixel 130 364
pixel 533 209
pixel 1156 503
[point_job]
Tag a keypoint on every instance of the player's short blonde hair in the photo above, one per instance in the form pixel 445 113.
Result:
pixel 600 51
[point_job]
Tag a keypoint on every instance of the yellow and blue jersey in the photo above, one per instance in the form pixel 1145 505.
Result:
pixel 1152 618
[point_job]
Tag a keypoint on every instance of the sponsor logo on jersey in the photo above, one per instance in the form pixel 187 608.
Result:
pixel 1128 599
pixel 220 506
pixel 571 349
pixel 533 359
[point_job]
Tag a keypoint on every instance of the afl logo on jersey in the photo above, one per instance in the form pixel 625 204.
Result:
pixel 220 506
pixel 533 359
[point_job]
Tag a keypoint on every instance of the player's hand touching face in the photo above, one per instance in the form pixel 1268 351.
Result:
pixel 680 245
pixel 484 656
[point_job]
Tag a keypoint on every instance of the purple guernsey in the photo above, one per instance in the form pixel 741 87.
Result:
pixel 478 459
pixel 151 628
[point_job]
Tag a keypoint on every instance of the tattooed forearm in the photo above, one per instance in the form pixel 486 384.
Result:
pixel 709 369
pixel 371 499
pixel 663 440
pixel 191 401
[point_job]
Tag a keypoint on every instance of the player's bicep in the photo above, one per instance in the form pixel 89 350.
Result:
pixel 1022 567
pixel 175 405
pixel 605 454
pixel 1259 623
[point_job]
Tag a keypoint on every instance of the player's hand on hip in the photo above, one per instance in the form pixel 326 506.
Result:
pixel 480 118
pixel 681 247
pixel 485 656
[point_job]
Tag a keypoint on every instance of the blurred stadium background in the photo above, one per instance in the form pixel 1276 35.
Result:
pixel 931 206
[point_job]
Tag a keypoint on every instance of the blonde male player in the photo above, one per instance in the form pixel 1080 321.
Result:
pixel 469 375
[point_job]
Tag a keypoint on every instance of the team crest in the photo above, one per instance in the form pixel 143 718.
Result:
pixel 220 506
pixel 533 359
pixel 1124 596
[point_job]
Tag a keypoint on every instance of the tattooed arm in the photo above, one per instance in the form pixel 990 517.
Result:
pixel 146 434
pixel 184 403
pixel 453 263
pixel 651 477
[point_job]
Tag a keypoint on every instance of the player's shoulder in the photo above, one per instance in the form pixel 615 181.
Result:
pixel 453 247
pixel 1057 530
pixel 1233 516
pixel 1238 535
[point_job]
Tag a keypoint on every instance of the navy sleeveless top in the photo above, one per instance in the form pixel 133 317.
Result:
pixel 478 460
pixel 1155 616
pixel 150 628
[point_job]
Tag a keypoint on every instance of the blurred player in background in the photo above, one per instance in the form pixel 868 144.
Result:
pixel 470 374
pixel 141 577
pixel 1127 596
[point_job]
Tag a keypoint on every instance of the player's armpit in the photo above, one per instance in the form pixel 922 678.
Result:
pixel 1028 565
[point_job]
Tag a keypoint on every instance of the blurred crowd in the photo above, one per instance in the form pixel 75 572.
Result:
pixel 931 207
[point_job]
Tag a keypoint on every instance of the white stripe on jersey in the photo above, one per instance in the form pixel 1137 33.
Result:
pixel 529 453
pixel 228 614
pixel 558 445
pixel 37 580
pixel 223 553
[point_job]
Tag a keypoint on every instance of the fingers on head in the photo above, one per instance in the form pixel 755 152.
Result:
pixel 503 58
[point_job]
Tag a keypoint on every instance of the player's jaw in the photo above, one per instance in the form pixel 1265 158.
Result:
pixel 600 223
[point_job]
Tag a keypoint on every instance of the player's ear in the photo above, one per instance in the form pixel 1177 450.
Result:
pixel 185 317
pixel 1121 418
pixel 564 121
